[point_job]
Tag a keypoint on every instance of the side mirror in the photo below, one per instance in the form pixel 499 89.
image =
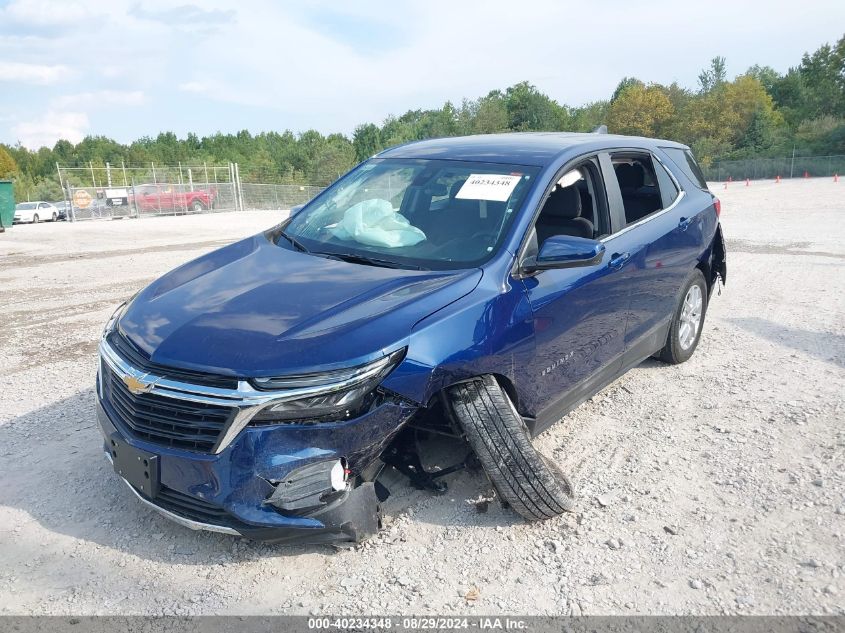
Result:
pixel 296 209
pixel 565 251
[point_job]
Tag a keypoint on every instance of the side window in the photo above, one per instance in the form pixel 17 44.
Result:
pixel 576 205
pixel 639 185
pixel 684 160
pixel 668 189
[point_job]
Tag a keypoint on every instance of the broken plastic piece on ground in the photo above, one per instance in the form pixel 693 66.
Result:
pixel 375 223
pixel 482 502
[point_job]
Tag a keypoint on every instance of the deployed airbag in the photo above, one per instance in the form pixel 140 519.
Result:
pixel 375 223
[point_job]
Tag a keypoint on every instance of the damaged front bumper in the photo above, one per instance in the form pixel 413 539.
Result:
pixel 353 517
pixel 273 483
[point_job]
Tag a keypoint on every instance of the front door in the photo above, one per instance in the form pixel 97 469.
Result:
pixel 579 314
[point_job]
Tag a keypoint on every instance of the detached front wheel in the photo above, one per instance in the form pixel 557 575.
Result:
pixel 525 479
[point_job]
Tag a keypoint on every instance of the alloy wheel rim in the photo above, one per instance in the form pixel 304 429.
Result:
pixel 690 319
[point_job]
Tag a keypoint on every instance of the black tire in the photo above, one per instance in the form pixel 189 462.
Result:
pixel 35 219
pixel 197 206
pixel 531 484
pixel 55 216
pixel 673 352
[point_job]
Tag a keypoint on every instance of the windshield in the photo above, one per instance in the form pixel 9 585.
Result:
pixel 23 206
pixel 433 214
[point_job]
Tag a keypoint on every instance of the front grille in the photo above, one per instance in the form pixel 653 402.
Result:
pixel 192 508
pixel 162 420
pixel 138 359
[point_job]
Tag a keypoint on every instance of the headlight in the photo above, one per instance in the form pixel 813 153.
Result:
pixel 336 394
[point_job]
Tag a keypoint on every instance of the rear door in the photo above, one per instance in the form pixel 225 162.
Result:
pixel 578 316
pixel 662 234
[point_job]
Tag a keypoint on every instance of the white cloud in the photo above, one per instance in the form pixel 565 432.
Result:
pixel 46 13
pixel 51 127
pixel 194 86
pixel 113 72
pixel 573 53
pixel 223 92
pixel 331 66
pixel 39 74
pixel 100 98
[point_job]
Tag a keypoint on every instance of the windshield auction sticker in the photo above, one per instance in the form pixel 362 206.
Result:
pixel 495 187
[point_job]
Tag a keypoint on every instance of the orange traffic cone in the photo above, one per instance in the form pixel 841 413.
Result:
pixel 835 177
pixel 777 180
pixel 806 174
pixel 747 182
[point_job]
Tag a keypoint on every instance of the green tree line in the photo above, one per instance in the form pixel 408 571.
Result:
pixel 760 113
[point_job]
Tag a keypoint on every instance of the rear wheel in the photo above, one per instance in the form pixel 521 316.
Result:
pixel 197 206
pixel 525 479
pixel 687 322
pixel 35 219
pixel 55 216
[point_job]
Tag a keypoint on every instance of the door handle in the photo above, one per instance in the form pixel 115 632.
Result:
pixel 619 259
pixel 684 224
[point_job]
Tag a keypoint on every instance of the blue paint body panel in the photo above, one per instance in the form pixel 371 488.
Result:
pixel 257 308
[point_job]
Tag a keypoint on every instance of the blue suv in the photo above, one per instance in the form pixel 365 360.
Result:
pixel 479 287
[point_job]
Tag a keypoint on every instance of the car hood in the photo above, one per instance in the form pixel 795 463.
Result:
pixel 257 309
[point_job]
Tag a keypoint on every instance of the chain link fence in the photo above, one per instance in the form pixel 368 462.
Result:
pixel 119 192
pixel 276 197
pixel 135 201
pixel 770 168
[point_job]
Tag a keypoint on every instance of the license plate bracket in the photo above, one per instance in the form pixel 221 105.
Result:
pixel 139 468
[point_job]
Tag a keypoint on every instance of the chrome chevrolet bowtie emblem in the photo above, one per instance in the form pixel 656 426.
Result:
pixel 137 386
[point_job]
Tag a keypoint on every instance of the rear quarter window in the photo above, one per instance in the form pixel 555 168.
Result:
pixel 683 160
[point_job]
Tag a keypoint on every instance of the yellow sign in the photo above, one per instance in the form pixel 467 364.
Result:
pixel 81 198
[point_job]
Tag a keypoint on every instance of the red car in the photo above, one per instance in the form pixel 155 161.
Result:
pixel 170 197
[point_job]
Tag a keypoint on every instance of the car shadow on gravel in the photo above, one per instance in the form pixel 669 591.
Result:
pixel 826 346
pixel 53 470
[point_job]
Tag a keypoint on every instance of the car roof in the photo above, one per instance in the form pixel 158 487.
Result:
pixel 522 148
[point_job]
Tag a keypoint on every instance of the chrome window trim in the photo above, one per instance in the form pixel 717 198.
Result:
pixel 668 171
pixel 646 219
pixel 247 400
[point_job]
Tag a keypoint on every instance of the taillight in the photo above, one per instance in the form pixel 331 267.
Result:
pixel 717 204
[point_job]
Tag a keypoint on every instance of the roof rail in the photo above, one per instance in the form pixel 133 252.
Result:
pixel 601 129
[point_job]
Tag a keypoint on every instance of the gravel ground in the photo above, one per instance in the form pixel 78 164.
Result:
pixel 712 487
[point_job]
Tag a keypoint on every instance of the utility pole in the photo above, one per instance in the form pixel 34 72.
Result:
pixel 240 189
pixel 65 194
pixel 792 164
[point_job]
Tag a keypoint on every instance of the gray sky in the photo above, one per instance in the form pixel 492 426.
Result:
pixel 129 68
